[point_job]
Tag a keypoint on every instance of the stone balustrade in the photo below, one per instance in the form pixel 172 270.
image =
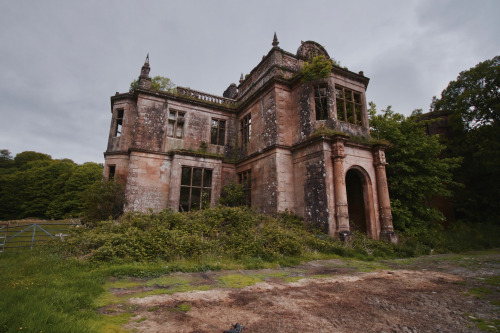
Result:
pixel 182 91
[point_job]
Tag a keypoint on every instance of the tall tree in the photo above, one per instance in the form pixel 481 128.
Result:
pixel 415 172
pixel 472 102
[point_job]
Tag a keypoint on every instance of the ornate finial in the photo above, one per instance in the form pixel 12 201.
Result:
pixel 241 78
pixel 144 79
pixel 275 41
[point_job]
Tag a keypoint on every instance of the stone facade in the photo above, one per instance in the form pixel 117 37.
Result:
pixel 177 150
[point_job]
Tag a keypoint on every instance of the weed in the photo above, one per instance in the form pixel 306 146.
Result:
pixel 184 307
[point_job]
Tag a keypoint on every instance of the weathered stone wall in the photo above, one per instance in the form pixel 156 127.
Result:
pixel 148 181
pixel 312 184
pixel 264 181
pixel 286 118
pixel 124 141
pixel 120 161
pixel 149 128
pixel 285 180
pixel 197 129
pixel 180 160
pixel 304 109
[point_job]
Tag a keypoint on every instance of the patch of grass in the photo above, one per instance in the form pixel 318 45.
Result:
pixel 479 292
pixel 237 281
pixel 140 320
pixel 153 308
pixel 493 280
pixel 184 307
pixel 486 325
pixel 111 324
pixel 122 284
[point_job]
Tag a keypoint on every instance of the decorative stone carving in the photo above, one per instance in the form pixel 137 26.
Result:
pixel 310 49
pixel 379 157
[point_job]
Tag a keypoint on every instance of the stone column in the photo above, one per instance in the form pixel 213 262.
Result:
pixel 341 210
pixel 384 203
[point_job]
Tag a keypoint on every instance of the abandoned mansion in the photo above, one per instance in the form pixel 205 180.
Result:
pixel 293 144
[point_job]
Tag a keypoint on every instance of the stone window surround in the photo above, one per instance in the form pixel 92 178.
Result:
pixel 204 186
pixel 118 123
pixel 220 131
pixel 175 123
pixel 111 171
pixel 321 108
pixel 355 103
pixel 245 179
pixel 246 128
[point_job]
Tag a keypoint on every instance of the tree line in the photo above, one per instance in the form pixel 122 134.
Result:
pixel 33 185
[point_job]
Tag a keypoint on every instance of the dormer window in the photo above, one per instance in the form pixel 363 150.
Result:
pixel 321 102
pixel 348 105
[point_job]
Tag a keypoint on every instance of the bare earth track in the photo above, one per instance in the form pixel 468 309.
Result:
pixel 444 293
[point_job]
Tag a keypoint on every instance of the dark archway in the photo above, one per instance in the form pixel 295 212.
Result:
pixel 356 201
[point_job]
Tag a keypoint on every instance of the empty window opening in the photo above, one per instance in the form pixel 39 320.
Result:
pixel 321 102
pixel 111 172
pixel 118 122
pixel 246 129
pixel 218 132
pixel 355 201
pixel 348 105
pixel 175 125
pixel 196 189
pixel 245 179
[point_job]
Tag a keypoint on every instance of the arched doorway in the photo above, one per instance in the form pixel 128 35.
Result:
pixel 356 201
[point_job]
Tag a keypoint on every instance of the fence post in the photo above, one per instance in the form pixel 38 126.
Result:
pixel 33 238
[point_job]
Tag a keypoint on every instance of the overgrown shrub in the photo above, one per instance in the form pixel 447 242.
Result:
pixel 232 195
pixel 230 232
pixel 103 200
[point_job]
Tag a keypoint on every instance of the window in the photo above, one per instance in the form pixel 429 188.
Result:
pixel 111 172
pixel 246 129
pixel 348 105
pixel 118 122
pixel 196 188
pixel 175 126
pixel 321 102
pixel 218 132
pixel 245 179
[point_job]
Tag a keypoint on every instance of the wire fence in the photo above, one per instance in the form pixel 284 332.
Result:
pixel 17 236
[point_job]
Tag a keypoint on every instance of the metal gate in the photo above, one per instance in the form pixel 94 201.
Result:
pixel 17 236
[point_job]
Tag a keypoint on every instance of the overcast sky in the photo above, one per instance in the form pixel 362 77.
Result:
pixel 60 61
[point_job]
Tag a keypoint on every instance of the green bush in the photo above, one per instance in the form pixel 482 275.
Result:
pixel 232 195
pixel 230 232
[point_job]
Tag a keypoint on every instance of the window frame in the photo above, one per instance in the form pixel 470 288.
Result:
pixel 246 129
pixel 219 130
pixel 321 102
pixel 118 128
pixel 175 123
pixel 111 171
pixel 245 180
pixel 350 105
pixel 202 187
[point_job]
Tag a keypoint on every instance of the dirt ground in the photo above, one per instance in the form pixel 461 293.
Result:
pixel 442 293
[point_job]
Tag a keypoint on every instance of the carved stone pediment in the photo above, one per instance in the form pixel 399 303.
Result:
pixel 308 50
